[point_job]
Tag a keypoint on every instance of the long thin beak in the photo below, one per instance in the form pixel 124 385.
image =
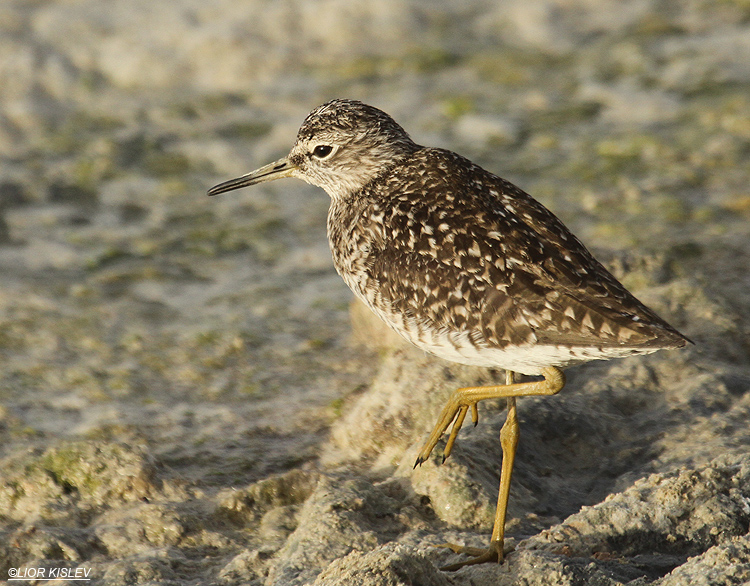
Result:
pixel 276 170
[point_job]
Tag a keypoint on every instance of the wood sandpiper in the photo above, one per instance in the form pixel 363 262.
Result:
pixel 464 265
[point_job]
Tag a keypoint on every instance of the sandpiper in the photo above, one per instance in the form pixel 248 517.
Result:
pixel 464 265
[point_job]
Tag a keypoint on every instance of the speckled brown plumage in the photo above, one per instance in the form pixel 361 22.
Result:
pixel 440 245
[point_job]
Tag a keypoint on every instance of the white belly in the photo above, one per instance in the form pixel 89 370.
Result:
pixel 528 359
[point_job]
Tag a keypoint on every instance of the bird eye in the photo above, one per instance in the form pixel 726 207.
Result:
pixel 322 151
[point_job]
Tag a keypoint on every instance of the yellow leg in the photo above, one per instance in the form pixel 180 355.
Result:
pixel 509 441
pixel 463 399
pixel 458 405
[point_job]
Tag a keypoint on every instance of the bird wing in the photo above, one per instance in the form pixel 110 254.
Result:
pixel 566 295
pixel 466 251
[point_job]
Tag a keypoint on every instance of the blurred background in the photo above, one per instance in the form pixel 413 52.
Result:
pixel 214 331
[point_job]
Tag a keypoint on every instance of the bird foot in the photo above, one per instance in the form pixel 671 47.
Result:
pixel 455 415
pixel 494 553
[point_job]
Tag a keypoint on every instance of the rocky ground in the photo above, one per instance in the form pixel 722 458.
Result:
pixel 186 396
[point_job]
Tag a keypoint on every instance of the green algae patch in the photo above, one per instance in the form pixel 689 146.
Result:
pixel 371 67
pixel 245 130
pixel 96 472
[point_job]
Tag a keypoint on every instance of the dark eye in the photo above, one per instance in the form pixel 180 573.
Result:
pixel 322 151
